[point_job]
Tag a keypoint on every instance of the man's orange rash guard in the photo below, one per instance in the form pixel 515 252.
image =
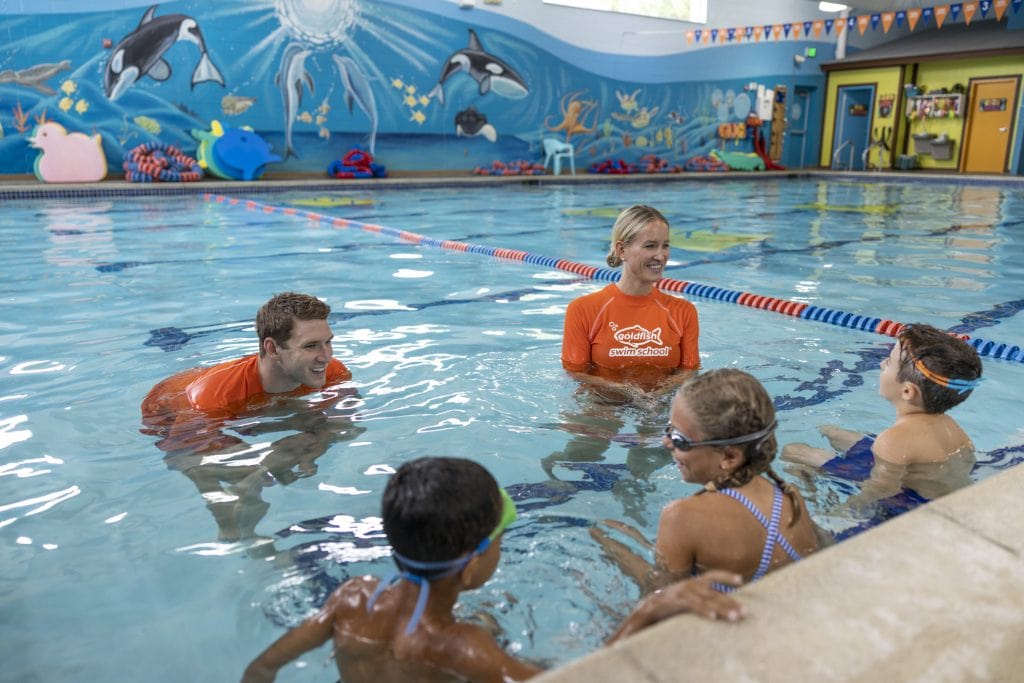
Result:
pixel 615 330
pixel 219 392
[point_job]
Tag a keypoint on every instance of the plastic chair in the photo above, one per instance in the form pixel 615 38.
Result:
pixel 555 151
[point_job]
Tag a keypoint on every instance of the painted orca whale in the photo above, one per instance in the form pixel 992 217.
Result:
pixel 140 53
pixel 491 73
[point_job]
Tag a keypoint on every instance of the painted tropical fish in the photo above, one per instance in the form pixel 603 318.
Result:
pixel 470 122
pixel 490 72
pixel 290 79
pixel 34 76
pixel 232 105
pixel 140 53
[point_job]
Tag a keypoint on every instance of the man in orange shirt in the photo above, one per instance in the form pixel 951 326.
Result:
pixel 190 410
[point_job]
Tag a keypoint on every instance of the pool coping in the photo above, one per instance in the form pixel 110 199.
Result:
pixel 26 187
pixel 931 595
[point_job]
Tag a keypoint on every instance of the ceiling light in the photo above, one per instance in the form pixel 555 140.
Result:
pixel 831 7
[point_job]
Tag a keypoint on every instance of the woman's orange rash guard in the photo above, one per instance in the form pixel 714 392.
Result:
pixel 615 330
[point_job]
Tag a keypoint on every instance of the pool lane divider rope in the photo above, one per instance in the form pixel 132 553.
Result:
pixel 796 309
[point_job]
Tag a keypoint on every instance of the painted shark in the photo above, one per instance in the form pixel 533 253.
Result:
pixel 34 76
pixel 290 79
pixel 491 73
pixel 140 53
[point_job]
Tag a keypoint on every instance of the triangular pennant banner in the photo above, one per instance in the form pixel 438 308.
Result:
pixel 828 25
pixel 714 35
pixel 954 11
pixel 840 25
pixel 851 22
pixel 926 14
pixel 1000 6
pixel 796 30
pixel 862 23
pixel 707 36
pixel 900 16
pixel 758 32
pixel 940 14
pixel 912 16
pixel 776 31
pixel 818 25
pixel 984 6
pixel 969 9
pixel 807 27
pixel 689 37
pixel 1016 5
pixel 786 28
pixel 875 19
pixel 722 34
pixel 748 31
pixel 887 19
pixel 767 32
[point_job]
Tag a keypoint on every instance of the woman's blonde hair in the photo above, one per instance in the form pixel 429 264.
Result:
pixel 627 225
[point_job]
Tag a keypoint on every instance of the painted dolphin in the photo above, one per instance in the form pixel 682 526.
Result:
pixel 140 53
pixel 357 90
pixel 290 78
pixel 490 72
pixel 34 76
pixel 470 122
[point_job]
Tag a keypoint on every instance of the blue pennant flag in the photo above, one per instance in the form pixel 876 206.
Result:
pixel 785 29
pixel 697 34
pixel 749 31
pixel 875 18
pixel 954 10
pixel 851 23
pixel 731 35
pixel 767 31
pixel 900 16
pixel 807 28
pixel 1016 5
pixel 984 6
pixel 828 26
pixel 927 13
pixel 714 35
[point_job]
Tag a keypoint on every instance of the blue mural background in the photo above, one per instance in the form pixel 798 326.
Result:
pixel 374 74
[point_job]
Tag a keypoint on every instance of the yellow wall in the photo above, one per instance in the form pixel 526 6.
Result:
pixel 934 75
pixel 886 80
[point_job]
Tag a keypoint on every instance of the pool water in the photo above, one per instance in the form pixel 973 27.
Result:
pixel 112 565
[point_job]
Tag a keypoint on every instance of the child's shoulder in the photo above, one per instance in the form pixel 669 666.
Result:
pixel 353 595
pixel 920 439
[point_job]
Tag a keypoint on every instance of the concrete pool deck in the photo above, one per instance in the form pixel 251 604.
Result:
pixel 933 595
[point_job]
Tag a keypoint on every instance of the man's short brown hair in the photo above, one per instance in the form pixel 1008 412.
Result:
pixel 277 317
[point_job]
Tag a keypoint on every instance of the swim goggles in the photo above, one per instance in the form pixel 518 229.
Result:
pixel 425 572
pixel 683 443
pixel 960 386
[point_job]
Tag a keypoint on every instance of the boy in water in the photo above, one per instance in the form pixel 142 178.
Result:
pixel 444 518
pixel 927 372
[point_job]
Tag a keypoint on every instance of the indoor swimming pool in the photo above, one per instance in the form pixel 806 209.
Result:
pixel 114 569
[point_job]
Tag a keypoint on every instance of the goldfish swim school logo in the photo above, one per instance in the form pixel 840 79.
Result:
pixel 638 341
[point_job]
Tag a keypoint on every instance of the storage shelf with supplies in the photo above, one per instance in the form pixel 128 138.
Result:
pixel 935 106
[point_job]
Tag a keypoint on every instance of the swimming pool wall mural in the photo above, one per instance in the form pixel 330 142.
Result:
pixel 421 89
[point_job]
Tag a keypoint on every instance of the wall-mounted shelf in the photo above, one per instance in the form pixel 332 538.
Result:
pixel 935 106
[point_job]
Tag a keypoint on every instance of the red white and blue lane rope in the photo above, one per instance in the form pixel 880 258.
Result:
pixel 796 309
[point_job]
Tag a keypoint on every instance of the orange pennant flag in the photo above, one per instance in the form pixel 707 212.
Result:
pixel 969 9
pixel 863 21
pixel 941 12
pixel 689 37
pixel 913 15
pixel 707 36
pixel 796 29
pixel 887 19
pixel 777 31
pixel 840 27
pixel 818 26
pixel 1000 6
pixel 723 34
pixel 757 33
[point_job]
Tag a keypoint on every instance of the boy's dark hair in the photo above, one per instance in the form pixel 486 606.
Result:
pixel 942 354
pixel 276 318
pixel 436 509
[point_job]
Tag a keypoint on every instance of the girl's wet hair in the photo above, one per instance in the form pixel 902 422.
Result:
pixel 943 355
pixel 436 509
pixel 627 225
pixel 729 403
pixel 277 317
